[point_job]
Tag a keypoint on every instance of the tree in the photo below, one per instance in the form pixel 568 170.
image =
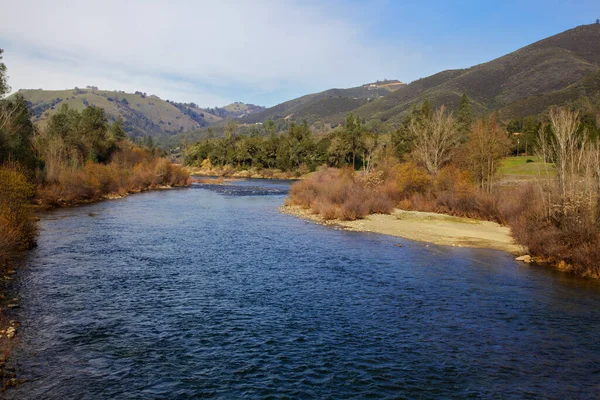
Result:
pixel 16 129
pixel 353 136
pixel 117 131
pixel 94 134
pixel 464 117
pixel 231 129
pixel 402 138
pixel 228 142
pixel 564 146
pixel 434 139
pixel 4 88
pixel 149 143
pixel 487 145
pixel 299 145
pixel 270 127
pixel 16 133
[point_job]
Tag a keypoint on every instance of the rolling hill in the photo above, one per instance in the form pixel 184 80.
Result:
pixel 561 69
pixel 557 70
pixel 143 114
pixel 548 72
pixel 324 105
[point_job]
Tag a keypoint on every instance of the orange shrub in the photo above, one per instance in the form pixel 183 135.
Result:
pixel 95 181
pixel 17 227
pixel 411 178
pixel 338 193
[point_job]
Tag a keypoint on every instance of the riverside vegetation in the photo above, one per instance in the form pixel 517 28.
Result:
pixel 78 157
pixel 442 162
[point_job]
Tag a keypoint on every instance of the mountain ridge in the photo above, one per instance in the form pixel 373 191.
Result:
pixel 557 70
pixel 143 114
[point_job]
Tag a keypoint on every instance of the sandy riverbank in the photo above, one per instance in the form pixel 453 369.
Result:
pixel 252 173
pixel 433 228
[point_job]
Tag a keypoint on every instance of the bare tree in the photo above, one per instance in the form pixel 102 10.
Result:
pixel 434 138
pixel 564 146
pixel 487 145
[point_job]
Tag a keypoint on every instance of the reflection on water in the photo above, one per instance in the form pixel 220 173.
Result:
pixel 210 292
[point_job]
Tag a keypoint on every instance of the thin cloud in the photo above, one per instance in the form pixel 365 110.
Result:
pixel 192 51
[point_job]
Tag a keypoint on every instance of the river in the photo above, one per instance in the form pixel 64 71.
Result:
pixel 211 292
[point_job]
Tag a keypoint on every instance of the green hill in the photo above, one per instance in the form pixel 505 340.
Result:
pixel 538 75
pixel 234 110
pixel 324 105
pixel 561 69
pixel 143 114
pixel 557 70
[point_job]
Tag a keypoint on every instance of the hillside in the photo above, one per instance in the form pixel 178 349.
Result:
pixel 538 75
pixel 234 110
pixel 557 70
pixel 561 69
pixel 143 114
pixel 326 104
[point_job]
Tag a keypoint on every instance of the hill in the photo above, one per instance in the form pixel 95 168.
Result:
pixel 324 105
pixel 561 69
pixel 234 110
pixel 544 73
pixel 143 114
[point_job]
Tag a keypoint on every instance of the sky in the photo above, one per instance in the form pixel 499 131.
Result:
pixel 263 52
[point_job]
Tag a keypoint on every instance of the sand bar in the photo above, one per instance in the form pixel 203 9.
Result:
pixel 427 227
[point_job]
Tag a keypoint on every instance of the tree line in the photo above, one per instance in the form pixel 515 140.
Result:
pixel 297 148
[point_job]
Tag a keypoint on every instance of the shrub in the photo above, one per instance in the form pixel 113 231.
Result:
pixel 130 171
pixel 338 193
pixel 16 222
pixel 411 178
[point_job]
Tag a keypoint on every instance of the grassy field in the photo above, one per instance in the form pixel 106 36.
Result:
pixel 524 167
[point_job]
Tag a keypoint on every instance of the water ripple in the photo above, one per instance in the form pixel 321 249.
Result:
pixel 211 293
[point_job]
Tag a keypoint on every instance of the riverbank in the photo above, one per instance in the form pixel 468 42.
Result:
pixel 229 171
pixel 439 229
pixel 60 203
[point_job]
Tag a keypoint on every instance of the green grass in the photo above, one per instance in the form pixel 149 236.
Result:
pixel 519 167
pixel 147 115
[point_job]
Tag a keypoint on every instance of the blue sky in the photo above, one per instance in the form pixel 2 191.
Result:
pixel 263 51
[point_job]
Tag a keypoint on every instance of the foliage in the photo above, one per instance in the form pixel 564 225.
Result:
pixel 487 145
pixel 16 222
pixel 339 193
pixel 16 133
pixel 403 138
pixel 3 81
pixel 131 170
pixel 464 117
pixel 352 136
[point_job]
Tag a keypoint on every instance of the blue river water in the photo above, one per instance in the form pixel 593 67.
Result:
pixel 211 292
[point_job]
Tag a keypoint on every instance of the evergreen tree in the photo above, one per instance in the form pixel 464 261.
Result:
pixel 116 129
pixel 464 117
pixel 16 133
pixel 270 127
pixel 353 136
pixel 402 138
pixel 149 143
pixel 3 79
pixel 426 110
